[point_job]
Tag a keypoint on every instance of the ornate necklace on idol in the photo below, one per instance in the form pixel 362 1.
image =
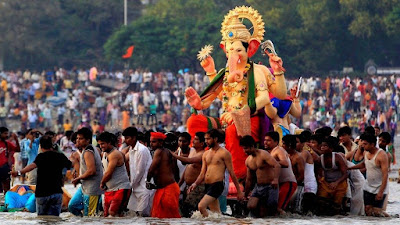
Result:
pixel 231 88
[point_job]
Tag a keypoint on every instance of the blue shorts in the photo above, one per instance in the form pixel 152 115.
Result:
pixel 49 205
pixel 267 194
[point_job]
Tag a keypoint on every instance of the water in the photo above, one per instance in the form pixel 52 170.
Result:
pixel 66 218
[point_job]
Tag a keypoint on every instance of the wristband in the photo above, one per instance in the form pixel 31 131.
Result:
pixel 278 73
pixel 211 74
pixel 19 173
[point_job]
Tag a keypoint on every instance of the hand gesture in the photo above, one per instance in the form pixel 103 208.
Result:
pixel 208 64
pixel 293 91
pixel 275 62
pixel 193 98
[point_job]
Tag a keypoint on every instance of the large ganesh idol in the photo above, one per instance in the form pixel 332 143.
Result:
pixel 243 86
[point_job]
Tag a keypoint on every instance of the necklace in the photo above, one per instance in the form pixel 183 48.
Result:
pixel 231 88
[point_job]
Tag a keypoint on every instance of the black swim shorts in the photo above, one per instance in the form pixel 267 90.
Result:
pixel 215 189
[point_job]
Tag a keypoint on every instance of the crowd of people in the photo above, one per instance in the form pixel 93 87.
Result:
pixel 359 102
pixel 169 175
pixel 156 100
pixel 70 131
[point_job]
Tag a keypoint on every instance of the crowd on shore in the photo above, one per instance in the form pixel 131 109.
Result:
pixel 169 175
pixel 156 100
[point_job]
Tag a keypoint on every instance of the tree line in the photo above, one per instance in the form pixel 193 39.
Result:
pixel 312 36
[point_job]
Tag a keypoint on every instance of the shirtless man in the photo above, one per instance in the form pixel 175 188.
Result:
pixel 262 166
pixel 376 187
pixel 289 143
pixel 166 198
pixel 215 161
pixel 287 180
pixel 192 171
pixel 310 183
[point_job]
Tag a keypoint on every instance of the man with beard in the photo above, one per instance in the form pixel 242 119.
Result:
pixel 287 180
pixel 162 169
pixel 192 171
pixel 215 161
pixel 262 166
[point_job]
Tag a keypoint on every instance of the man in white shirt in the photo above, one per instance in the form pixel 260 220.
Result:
pixel 357 100
pixel 139 159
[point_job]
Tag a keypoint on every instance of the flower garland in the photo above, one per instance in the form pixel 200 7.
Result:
pixel 227 88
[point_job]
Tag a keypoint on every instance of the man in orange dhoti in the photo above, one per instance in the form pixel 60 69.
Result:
pixel 162 170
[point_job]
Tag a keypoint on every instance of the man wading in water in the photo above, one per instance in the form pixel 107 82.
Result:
pixel 215 161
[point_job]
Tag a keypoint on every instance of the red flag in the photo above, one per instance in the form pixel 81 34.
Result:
pixel 129 52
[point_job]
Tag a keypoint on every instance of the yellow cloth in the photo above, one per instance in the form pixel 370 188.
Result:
pixel 67 126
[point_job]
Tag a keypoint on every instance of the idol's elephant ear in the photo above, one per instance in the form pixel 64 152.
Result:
pixel 253 47
pixel 222 45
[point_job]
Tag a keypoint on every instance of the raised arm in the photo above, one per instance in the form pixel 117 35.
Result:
pixel 188 160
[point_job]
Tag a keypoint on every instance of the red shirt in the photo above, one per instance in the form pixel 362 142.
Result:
pixel 3 149
pixel 372 105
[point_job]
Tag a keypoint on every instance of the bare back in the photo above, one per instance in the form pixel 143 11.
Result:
pixel 164 173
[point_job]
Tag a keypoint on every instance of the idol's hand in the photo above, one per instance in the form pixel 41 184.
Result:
pixel 227 117
pixel 276 63
pixel 208 65
pixel 293 91
pixel 193 98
